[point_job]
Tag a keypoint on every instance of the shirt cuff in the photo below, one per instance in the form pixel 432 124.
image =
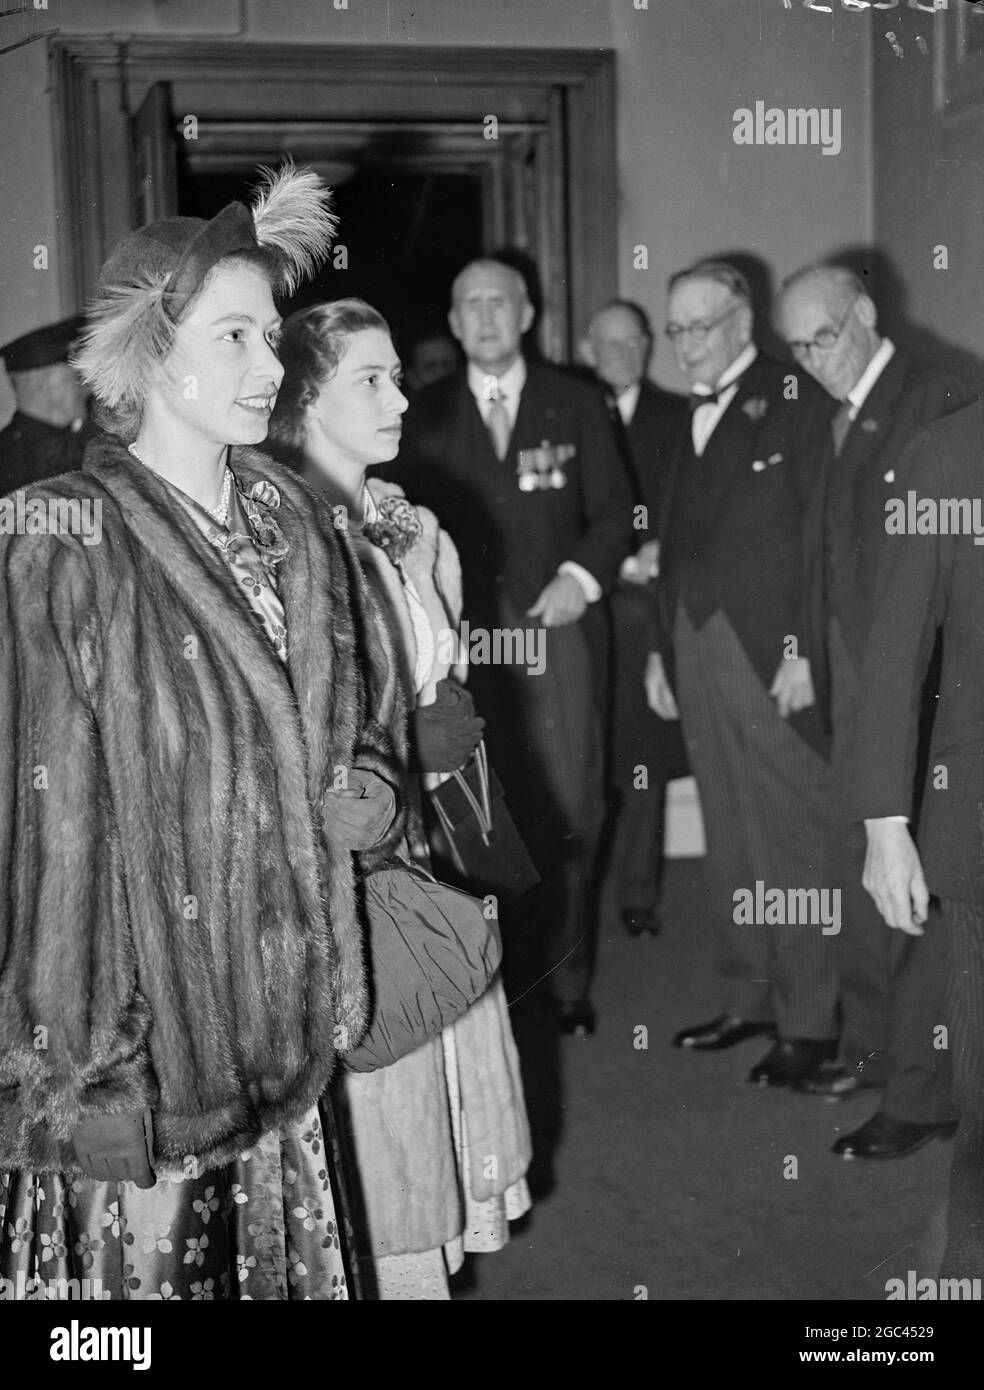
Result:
pixel 590 585
pixel 903 819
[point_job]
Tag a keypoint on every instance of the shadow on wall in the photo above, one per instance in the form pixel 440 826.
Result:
pixel 889 290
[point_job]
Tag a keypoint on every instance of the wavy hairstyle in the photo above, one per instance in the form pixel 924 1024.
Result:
pixel 312 344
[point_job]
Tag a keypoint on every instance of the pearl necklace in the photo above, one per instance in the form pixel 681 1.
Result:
pixel 220 512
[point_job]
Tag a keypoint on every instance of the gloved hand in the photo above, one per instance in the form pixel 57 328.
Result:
pixel 359 816
pixel 117 1148
pixel 446 732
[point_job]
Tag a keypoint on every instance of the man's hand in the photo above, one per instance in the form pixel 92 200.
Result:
pixel 893 875
pixel 116 1148
pixel 658 692
pixel 792 688
pixel 643 565
pixel 359 816
pixel 562 602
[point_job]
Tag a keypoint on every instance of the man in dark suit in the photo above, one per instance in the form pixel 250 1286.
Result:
pixel 891 989
pixel 646 751
pixel 44 436
pixel 933 581
pixel 520 466
pixel 730 589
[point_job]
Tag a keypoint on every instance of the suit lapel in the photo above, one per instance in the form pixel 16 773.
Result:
pixel 870 427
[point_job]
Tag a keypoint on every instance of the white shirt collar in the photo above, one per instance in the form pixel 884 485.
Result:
pixel 627 400
pixel 862 388
pixel 510 385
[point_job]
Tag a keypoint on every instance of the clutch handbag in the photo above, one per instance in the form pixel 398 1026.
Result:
pixel 432 952
pixel 473 838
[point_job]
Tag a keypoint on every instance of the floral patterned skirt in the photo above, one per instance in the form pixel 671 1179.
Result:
pixel 264 1227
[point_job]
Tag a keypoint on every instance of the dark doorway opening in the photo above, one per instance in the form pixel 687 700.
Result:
pixel 404 237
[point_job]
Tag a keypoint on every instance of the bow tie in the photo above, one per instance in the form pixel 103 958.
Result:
pixel 699 398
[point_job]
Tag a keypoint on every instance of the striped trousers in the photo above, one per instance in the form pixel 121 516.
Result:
pixel 763 800
pixel 964 1256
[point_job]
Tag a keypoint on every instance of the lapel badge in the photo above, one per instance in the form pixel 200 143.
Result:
pixel 756 408
pixel 890 476
pixel 870 426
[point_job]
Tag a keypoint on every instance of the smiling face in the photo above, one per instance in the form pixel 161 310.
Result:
pixel 356 420
pixel 490 314
pixel 219 382
pixel 818 305
pixel 707 301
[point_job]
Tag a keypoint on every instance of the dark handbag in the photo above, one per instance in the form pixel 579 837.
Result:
pixel 473 838
pixel 432 953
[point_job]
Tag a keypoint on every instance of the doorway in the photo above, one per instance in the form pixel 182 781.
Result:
pixel 437 157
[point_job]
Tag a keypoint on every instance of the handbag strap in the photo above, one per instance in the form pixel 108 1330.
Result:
pixel 448 829
pixel 482 812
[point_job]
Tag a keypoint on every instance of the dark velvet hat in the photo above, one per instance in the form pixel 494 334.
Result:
pixel 153 275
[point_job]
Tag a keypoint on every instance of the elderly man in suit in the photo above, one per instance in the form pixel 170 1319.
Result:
pixel 728 663
pixel 932 579
pixel 45 436
pixel 618 346
pixel 891 988
pixel 519 463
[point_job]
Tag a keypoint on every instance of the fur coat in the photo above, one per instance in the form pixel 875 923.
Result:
pixel 177 928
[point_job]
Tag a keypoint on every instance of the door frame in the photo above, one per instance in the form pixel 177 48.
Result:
pixel 98 85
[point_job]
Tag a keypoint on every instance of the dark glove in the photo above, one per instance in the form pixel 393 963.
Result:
pixel 446 732
pixel 360 816
pixel 117 1148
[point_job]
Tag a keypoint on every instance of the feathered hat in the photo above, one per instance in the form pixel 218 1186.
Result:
pixel 154 273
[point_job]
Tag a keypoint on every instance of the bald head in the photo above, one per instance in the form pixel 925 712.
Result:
pixel 830 323
pixel 490 312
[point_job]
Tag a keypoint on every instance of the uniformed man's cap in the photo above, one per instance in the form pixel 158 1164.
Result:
pixel 44 347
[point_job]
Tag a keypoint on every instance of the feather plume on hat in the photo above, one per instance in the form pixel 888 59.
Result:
pixel 154 274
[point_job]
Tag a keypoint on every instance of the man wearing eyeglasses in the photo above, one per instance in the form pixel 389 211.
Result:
pixel 730 591
pixel 891 987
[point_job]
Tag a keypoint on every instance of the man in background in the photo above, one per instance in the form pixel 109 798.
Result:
pixel 731 578
pixel 891 985
pixel 433 357
pixel 646 752
pixel 44 436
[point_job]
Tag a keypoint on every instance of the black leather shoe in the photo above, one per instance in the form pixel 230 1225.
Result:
pixel 577 1017
pixel 722 1032
pixel 639 920
pixel 884 1137
pixel 792 1059
pixel 834 1082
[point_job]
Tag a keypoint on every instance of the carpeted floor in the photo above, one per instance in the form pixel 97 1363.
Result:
pixel 662 1174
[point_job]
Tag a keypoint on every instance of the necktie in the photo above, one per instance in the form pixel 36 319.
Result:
pixel 498 426
pixel 840 425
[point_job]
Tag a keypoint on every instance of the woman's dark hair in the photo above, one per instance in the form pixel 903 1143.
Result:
pixel 312 344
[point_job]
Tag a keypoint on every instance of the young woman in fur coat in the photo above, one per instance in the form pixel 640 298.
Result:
pixel 192 766
pixel 440 1138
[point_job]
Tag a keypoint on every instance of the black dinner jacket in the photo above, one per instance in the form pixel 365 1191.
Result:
pixel 759 469
pixel 925 581
pixel 647 445
pixel 907 396
pixel 504 536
